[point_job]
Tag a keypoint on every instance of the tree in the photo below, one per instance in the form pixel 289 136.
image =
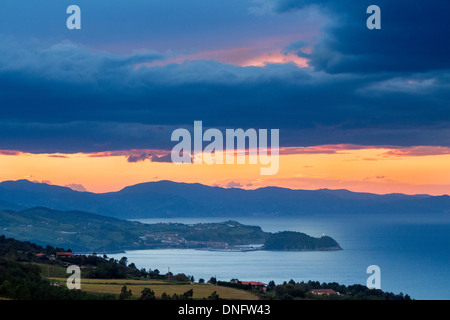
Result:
pixel 212 280
pixel 147 294
pixel 188 294
pixel 132 266
pixel 164 296
pixel 180 277
pixel 123 261
pixel 214 296
pixel 270 285
pixel 201 281
pixel 125 294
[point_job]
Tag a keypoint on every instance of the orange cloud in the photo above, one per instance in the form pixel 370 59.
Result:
pixel 10 152
pixel 264 59
pixel 418 151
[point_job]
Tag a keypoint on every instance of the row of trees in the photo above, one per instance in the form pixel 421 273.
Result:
pixel 302 290
pixel 99 267
pixel 148 294
pixel 22 281
pixel 24 250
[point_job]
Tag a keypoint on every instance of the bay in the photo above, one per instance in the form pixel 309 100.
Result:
pixel 412 252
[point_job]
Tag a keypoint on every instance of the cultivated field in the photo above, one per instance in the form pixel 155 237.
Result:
pixel 201 291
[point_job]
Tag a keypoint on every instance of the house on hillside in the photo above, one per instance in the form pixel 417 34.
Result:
pixel 326 292
pixel 255 285
pixel 64 254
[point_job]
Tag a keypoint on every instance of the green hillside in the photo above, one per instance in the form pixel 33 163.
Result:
pixel 87 232
pixel 288 240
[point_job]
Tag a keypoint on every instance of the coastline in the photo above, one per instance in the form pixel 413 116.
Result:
pixel 234 249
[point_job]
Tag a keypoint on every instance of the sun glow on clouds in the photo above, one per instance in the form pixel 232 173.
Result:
pixel 241 56
pixel 276 57
pixel 358 168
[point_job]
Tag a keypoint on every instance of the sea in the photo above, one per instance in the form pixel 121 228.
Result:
pixel 411 251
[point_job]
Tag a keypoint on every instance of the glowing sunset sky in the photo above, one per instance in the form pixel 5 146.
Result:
pixel 366 169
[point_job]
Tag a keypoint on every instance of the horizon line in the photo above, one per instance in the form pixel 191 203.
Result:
pixel 225 188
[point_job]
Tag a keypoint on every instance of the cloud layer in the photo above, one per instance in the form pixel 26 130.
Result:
pixel 381 87
pixel 411 39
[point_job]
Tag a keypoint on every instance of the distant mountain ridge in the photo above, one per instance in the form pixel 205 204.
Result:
pixel 173 199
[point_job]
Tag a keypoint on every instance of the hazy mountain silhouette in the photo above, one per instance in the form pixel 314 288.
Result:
pixel 172 199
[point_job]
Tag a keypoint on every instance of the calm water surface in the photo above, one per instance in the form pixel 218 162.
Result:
pixel 412 252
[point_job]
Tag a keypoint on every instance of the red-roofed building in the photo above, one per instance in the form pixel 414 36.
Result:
pixel 323 291
pixel 64 254
pixel 255 285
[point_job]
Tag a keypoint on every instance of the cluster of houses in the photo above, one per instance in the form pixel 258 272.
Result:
pixel 256 285
pixel 263 287
pixel 67 254
pixel 176 240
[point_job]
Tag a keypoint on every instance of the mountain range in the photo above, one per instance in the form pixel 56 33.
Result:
pixel 172 199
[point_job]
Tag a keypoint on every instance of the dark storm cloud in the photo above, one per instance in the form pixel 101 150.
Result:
pixel 296 48
pixel 153 157
pixel 82 136
pixel 67 98
pixel 413 37
pixel 367 87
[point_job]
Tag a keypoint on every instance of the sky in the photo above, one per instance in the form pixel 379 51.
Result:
pixel 358 109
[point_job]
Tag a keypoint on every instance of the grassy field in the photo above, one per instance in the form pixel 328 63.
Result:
pixel 57 274
pixel 48 271
pixel 201 291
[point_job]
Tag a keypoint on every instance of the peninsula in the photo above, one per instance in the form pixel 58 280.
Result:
pixel 88 232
